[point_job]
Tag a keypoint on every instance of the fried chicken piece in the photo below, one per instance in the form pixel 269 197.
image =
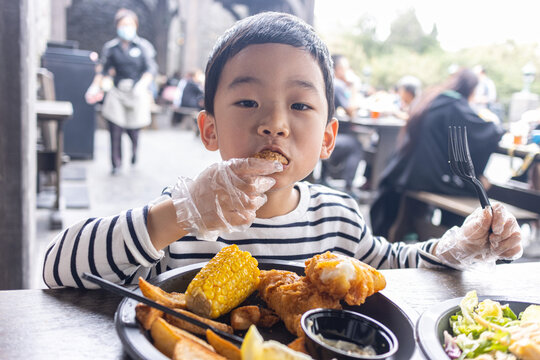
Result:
pixel 271 155
pixel 290 295
pixel 343 277
pixel 244 316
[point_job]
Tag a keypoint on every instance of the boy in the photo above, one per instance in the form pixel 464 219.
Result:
pixel 268 88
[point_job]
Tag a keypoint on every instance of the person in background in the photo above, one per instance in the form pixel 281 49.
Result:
pixel 129 59
pixel 348 151
pixel 192 94
pixel 408 89
pixel 485 93
pixel 421 161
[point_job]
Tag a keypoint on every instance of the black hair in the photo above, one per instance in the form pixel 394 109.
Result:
pixel 264 28
pixel 462 82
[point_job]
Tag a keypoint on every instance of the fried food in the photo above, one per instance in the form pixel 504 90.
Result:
pixel 271 155
pixel 299 345
pixel 147 315
pixel 329 279
pixel 188 350
pixel 344 277
pixel 290 295
pixel 182 324
pixel 223 283
pixel 245 316
pixel 165 337
pixel 173 300
pixel 222 346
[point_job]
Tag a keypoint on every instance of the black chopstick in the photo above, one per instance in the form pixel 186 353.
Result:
pixel 119 290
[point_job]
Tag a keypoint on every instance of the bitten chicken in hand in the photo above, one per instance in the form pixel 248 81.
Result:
pixel 329 279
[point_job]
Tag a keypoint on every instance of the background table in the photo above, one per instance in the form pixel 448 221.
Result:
pixel 79 324
pixel 50 159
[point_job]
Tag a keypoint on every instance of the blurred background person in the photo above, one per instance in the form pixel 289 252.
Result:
pixel 408 89
pixel 421 159
pixel 485 93
pixel 348 151
pixel 190 90
pixel 129 59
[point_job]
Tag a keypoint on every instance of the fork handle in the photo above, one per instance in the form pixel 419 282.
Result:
pixel 481 192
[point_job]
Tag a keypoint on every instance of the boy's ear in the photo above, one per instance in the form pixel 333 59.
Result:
pixel 329 138
pixel 207 129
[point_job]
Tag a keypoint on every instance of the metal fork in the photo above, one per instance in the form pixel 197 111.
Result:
pixel 461 163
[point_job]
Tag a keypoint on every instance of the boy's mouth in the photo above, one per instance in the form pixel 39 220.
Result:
pixel 272 156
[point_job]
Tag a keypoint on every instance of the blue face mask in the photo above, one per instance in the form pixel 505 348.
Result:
pixel 126 32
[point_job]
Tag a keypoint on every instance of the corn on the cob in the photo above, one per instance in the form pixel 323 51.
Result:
pixel 222 284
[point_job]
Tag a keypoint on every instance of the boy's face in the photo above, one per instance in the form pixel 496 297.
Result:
pixel 271 96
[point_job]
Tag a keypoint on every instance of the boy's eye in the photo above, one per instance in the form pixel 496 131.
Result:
pixel 300 106
pixel 247 103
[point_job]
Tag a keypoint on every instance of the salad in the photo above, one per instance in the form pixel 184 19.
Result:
pixel 491 331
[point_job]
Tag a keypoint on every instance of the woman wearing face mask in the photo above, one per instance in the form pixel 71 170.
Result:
pixel 129 60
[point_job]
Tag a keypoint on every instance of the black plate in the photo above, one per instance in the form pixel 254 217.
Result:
pixel 432 323
pixel 397 317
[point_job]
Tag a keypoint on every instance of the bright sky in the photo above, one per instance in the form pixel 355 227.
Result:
pixel 461 23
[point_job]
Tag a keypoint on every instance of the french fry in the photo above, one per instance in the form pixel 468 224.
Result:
pixel 182 324
pixel 299 345
pixel 173 300
pixel 189 350
pixel 165 337
pixel 222 346
pixel 147 315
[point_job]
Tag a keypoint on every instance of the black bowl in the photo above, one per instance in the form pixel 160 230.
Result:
pixel 350 326
pixel 434 321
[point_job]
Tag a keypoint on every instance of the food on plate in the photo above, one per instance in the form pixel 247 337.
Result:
pixel 291 295
pixel 344 277
pixel 299 344
pixel 165 336
pixel 182 324
pixel 147 315
pixel 186 350
pixel 223 283
pixel 271 155
pixel 491 331
pixel 222 346
pixel 244 316
pixel 173 300
pixel 255 348
pixel 329 278
pixel 229 279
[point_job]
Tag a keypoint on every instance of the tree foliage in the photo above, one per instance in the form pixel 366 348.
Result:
pixel 408 50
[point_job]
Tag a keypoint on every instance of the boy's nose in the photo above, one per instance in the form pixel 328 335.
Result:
pixel 275 124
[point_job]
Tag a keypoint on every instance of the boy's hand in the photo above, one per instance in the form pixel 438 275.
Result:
pixel 485 236
pixel 223 198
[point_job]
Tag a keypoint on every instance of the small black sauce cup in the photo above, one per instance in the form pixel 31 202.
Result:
pixel 349 326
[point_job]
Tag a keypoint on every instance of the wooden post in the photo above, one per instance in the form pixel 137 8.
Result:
pixel 17 142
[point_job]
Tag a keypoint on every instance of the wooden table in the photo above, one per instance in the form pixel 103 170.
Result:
pixel 50 159
pixel 78 324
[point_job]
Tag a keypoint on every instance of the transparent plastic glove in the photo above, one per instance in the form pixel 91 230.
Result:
pixel 224 197
pixel 485 236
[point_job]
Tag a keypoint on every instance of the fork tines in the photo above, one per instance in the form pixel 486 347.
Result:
pixel 461 163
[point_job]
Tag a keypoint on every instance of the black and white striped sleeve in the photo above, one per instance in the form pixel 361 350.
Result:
pixel 381 254
pixel 116 248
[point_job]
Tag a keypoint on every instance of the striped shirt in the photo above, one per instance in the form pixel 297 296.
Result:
pixel 119 249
